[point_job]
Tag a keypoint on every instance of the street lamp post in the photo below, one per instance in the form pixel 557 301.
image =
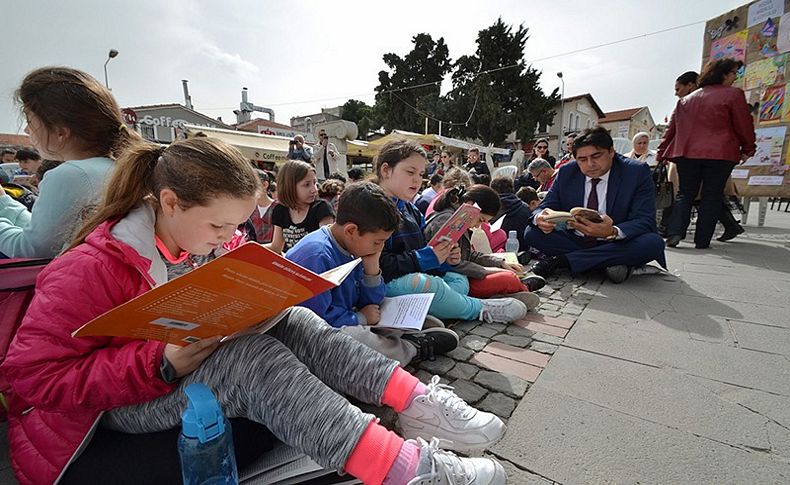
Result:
pixel 113 54
pixel 562 108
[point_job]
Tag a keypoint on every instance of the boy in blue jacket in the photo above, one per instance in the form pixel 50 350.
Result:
pixel 366 218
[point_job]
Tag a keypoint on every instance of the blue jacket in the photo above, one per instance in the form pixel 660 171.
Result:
pixel 517 216
pixel 406 251
pixel 319 252
pixel 630 194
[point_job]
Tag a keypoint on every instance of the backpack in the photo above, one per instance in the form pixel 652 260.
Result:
pixel 17 283
pixel 21 194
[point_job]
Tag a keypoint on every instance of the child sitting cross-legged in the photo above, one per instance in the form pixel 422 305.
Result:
pixel 366 218
pixel 489 276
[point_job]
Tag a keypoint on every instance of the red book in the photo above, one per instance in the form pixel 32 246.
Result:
pixel 465 217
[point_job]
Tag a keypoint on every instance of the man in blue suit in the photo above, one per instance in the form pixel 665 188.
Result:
pixel 621 190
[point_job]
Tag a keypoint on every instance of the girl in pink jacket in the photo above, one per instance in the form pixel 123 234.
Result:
pixel 163 204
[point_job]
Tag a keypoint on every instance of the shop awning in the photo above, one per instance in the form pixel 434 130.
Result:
pixel 267 148
pixel 435 140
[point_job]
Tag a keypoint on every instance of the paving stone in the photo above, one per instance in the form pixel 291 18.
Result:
pixel 460 353
pixel 513 340
pixel 571 311
pixel 468 391
pixel 483 331
pixel 549 306
pixel 463 371
pixel 474 342
pixel 498 404
pixel 543 347
pixel 507 366
pixel 499 327
pixel 525 356
pixel 549 339
pixel 465 326
pixel 541 327
pixel 551 313
pixel 519 331
pixel 423 376
pixel 512 386
pixel 565 323
pixel 440 366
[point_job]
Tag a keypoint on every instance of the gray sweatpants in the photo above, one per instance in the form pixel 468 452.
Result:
pixel 286 380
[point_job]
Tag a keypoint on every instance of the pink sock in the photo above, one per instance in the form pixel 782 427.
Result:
pixel 375 454
pixel 401 390
pixel 405 466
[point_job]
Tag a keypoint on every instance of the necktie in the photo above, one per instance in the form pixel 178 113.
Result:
pixel 592 200
pixel 326 161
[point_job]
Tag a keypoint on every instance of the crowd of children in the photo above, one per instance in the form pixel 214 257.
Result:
pixel 126 215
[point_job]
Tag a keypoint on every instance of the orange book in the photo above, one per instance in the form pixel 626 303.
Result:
pixel 243 291
pixel 462 219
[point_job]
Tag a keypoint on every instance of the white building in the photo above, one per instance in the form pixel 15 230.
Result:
pixel 574 114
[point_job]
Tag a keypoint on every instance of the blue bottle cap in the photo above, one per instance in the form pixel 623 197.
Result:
pixel 203 418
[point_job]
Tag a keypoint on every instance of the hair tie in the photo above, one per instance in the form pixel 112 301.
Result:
pixel 122 127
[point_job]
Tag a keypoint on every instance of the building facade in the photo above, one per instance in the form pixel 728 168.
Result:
pixel 163 123
pixel 572 114
pixel 306 123
pixel 626 123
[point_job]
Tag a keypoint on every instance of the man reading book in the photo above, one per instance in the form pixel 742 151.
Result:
pixel 366 218
pixel 621 191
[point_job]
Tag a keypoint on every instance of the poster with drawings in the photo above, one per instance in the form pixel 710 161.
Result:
pixel 769 146
pixel 732 46
pixel 765 72
pixel 772 104
pixel 783 37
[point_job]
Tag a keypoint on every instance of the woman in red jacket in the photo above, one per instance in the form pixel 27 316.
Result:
pixel 710 132
pixel 164 204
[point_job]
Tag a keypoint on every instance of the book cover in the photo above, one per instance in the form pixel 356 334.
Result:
pixel 238 290
pixel 462 219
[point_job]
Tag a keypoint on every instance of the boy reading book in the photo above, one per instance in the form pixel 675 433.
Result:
pixel 366 218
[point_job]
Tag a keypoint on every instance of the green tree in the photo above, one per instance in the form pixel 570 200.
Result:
pixel 361 114
pixel 505 100
pixel 427 63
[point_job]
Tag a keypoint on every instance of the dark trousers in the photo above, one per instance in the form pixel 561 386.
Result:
pixel 712 176
pixel 584 255
pixel 152 458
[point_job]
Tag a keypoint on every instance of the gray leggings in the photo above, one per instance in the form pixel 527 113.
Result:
pixel 286 380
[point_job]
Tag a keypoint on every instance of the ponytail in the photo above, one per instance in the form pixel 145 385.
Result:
pixel 484 196
pixel 129 185
pixel 450 199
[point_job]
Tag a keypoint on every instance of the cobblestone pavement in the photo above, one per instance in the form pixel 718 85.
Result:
pixel 495 364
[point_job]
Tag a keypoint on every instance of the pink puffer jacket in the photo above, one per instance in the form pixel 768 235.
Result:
pixel 62 384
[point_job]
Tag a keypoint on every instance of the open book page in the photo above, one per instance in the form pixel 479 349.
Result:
pixel 405 312
pixel 497 224
pixel 337 275
pixel 510 258
pixel 462 219
pixel 480 241
pixel 231 293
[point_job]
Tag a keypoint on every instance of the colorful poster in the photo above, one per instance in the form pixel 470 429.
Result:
pixel 769 146
pixel 733 46
pixel 783 38
pixel 765 73
pixel 769 29
pixel 772 104
pixel 763 10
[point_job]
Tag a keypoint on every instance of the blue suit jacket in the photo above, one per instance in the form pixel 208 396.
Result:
pixel 630 194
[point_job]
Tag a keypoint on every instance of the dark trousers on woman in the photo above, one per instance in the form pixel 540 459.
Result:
pixel 712 176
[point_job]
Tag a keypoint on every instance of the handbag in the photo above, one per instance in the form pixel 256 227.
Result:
pixel 665 192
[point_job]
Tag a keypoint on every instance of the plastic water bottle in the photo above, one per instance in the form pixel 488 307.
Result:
pixel 206 443
pixel 511 246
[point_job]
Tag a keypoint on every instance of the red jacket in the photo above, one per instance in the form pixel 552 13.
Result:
pixel 62 384
pixel 712 123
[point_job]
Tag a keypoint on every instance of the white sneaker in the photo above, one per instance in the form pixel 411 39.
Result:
pixel 438 467
pixel 503 310
pixel 442 414
pixel 531 300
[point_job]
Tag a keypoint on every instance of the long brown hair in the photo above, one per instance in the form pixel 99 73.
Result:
pixel 396 151
pixel 197 170
pixel 62 96
pixel 288 177
pixel 714 71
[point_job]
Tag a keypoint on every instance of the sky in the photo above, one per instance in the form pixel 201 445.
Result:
pixel 299 56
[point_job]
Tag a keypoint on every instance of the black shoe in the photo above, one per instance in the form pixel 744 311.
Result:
pixel 618 273
pixel 534 282
pixel 547 267
pixel 673 241
pixel 730 235
pixel 432 342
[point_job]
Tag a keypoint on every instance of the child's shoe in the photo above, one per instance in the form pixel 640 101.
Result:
pixel 504 310
pixel 439 467
pixel 432 342
pixel 531 300
pixel 442 414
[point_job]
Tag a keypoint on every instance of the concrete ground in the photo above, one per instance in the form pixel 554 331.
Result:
pixel 673 378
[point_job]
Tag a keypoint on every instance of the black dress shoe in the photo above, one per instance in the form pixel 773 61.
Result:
pixel 618 273
pixel 673 241
pixel 547 267
pixel 533 282
pixel 730 235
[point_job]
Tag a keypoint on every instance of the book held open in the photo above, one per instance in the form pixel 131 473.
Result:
pixel 243 291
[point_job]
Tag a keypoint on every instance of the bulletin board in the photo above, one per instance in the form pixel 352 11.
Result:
pixel 758 33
